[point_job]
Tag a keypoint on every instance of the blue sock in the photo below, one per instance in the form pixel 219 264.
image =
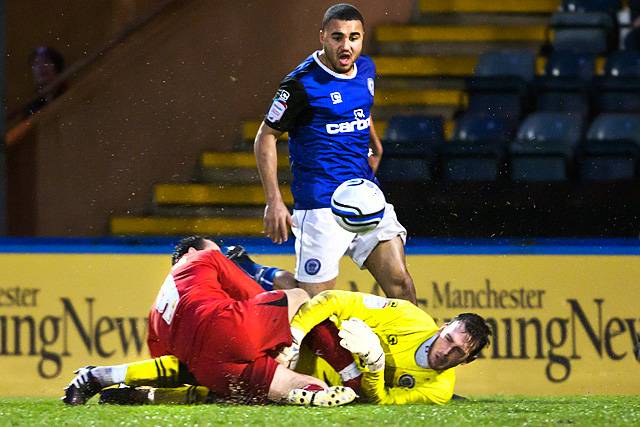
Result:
pixel 261 274
pixel 245 263
pixel 266 276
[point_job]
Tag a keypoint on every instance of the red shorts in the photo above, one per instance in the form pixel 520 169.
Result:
pixel 233 356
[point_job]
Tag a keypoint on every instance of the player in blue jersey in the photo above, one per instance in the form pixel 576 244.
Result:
pixel 325 106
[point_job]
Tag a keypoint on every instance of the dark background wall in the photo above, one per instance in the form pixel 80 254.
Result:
pixel 73 28
pixel 145 111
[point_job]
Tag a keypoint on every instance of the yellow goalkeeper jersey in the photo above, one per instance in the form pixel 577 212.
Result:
pixel 406 333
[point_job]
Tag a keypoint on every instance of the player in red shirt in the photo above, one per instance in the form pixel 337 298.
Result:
pixel 226 329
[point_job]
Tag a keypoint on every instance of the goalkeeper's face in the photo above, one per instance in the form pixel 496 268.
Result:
pixel 451 348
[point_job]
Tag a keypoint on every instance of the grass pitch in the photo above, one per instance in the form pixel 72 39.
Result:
pixel 495 411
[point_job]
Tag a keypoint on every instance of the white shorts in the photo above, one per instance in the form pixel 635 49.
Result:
pixel 321 242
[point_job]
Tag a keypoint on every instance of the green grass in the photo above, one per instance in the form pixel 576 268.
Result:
pixel 495 411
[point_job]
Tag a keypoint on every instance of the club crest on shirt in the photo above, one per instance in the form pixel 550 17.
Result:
pixel 312 266
pixel 371 86
pixel 336 97
pixel 283 95
pixel 407 381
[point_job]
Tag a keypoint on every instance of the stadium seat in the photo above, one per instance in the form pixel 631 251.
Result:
pixel 411 145
pixel 570 66
pixel 499 86
pixel 619 89
pixel 623 63
pixel 477 149
pixel 544 146
pixel 496 104
pixel 612 148
pixel 588 32
pixel 615 127
pixel 566 82
pixel 413 134
pixel 606 6
pixel 507 63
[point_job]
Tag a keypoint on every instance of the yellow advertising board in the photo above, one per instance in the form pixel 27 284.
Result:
pixel 562 324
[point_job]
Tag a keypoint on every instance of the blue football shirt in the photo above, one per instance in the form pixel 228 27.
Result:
pixel 327 115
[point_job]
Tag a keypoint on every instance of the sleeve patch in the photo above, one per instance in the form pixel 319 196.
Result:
pixel 278 107
pixel 374 301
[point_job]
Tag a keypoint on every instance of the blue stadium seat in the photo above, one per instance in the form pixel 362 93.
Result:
pixel 623 63
pixel 507 63
pixel 565 128
pixel 591 32
pixel 544 146
pixel 479 128
pixel 477 149
pixel 411 145
pixel 499 86
pixel 612 148
pixel 496 104
pixel 566 82
pixel 413 134
pixel 619 89
pixel 605 6
pixel 570 65
pixel 615 127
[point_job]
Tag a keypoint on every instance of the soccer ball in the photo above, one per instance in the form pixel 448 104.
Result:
pixel 358 205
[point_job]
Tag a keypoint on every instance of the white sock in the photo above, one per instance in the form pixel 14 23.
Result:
pixel 110 375
pixel 350 372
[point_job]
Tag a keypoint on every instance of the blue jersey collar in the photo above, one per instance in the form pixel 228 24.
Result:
pixel 333 73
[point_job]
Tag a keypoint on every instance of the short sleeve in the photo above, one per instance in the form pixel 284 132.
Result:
pixel 288 105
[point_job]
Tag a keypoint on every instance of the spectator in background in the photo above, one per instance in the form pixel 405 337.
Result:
pixel 632 39
pixel 46 65
pixel 634 8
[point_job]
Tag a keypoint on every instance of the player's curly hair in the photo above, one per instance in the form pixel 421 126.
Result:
pixel 182 247
pixel 477 328
pixel 343 12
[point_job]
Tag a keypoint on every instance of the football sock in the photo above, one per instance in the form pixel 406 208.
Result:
pixel 183 395
pixel 238 255
pixel 266 276
pixel 324 341
pixel 109 375
pixel 159 372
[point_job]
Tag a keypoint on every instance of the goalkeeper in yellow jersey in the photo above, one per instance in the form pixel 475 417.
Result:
pixel 406 357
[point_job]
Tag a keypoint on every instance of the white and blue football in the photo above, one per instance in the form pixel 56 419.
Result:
pixel 358 205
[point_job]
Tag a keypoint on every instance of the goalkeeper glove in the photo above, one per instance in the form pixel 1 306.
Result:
pixel 358 338
pixel 289 355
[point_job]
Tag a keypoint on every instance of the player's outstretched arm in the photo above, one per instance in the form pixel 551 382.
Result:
pixel 341 304
pixel 277 218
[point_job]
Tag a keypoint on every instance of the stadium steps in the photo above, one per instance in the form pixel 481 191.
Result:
pixel 180 226
pixel 210 209
pixel 239 167
pixel 214 194
pixel 484 6
pixel 456 39
pixel 444 66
